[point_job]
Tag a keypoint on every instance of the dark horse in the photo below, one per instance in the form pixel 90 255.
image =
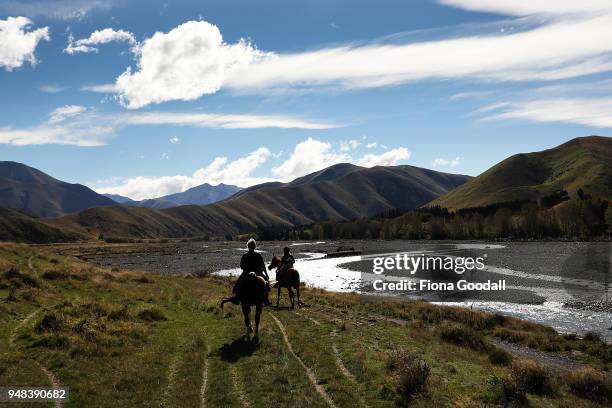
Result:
pixel 289 278
pixel 251 292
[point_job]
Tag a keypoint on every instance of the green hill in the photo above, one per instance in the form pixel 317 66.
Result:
pixel 582 163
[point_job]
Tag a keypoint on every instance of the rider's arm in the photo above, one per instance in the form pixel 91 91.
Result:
pixel 262 267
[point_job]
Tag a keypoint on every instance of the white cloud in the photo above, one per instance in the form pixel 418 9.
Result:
pixel 388 158
pixel 102 88
pixel 220 170
pixel 70 125
pixel 352 144
pixel 174 140
pixel 595 112
pixel 18 42
pixel 226 121
pixel 371 145
pixel 186 63
pixel 64 112
pixel 164 156
pixel 105 36
pixel 312 155
pixel 309 156
pixel 566 39
pixel 76 125
pixel 51 88
pixel 528 7
pixel 560 49
pixel 56 9
pixel 468 95
pixel 444 162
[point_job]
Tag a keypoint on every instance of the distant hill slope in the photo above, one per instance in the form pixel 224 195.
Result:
pixel 340 192
pixel 199 195
pixel 119 199
pixel 25 188
pixel 18 226
pixel 584 162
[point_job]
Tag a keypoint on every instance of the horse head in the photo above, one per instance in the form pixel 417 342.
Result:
pixel 274 263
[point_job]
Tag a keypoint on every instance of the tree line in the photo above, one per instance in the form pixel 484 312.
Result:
pixel 557 216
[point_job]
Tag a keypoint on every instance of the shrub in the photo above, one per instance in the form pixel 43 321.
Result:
pixel 142 279
pixel 496 319
pixel 12 273
pixel 152 315
pixel 461 336
pixel 119 314
pixel 500 357
pixel 592 336
pixel 19 279
pixel 53 274
pixel 530 376
pixel 591 384
pixel 51 322
pixel 507 391
pixel 413 373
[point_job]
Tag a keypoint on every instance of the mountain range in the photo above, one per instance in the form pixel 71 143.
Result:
pixel 199 195
pixel 339 192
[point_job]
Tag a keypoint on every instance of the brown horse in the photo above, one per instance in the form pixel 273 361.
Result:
pixel 289 278
pixel 250 292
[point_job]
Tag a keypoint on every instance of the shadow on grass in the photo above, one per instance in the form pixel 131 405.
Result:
pixel 234 351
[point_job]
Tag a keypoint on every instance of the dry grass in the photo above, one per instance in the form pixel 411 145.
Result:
pixel 461 336
pixel 412 374
pixel 591 384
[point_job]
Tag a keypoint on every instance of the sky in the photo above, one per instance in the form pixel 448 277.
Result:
pixel 145 98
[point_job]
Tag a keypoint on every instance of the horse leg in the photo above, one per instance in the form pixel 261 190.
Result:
pixel 278 296
pixel 292 296
pixel 297 288
pixel 246 311
pixel 258 308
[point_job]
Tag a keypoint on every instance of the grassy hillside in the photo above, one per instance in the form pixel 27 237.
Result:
pixel 28 189
pixel 582 163
pixel 17 226
pixel 120 338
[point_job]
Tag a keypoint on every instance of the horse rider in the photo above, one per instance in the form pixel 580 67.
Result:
pixel 287 261
pixel 251 262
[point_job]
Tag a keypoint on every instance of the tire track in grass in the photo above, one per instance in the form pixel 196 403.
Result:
pixel 21 324
pixel 30 266
pixel 204 379
pixel 316 322
pixel 311 376
pixel 55 383
pixel 339 362
pixel 238 387
pixel 172 368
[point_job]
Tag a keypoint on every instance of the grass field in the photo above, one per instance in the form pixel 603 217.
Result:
pixel 119 338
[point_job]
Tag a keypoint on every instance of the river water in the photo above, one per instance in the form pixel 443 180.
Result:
pixel 560 284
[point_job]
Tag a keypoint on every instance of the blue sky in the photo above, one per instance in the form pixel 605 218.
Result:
pixel 147 98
